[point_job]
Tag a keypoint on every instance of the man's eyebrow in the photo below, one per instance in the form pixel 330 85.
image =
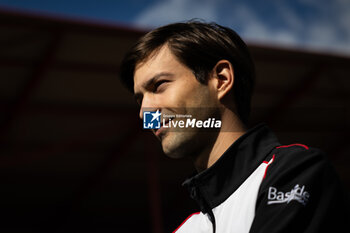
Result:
pixel 151 81
pixel 155 78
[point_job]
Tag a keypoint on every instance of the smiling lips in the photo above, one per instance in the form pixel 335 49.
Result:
pixel 158 132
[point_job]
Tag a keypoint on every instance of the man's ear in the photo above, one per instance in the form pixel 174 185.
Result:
pixel 223 76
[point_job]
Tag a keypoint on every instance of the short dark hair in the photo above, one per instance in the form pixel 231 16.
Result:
pixel 199 46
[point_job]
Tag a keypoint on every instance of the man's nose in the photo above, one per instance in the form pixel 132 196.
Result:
pixel 148 104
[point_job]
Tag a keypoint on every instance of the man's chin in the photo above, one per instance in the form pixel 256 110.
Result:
pixel 171 151
pixel 176 146
pixel 173 154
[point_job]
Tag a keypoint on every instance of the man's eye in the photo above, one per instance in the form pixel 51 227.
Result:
pixel 159 85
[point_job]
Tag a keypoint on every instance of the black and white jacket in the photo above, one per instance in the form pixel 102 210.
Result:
pixel 258 185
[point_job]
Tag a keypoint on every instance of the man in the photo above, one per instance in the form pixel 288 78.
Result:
pixel 247 181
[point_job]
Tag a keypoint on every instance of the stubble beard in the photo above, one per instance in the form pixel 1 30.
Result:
pixel 187 144
pixel 178 145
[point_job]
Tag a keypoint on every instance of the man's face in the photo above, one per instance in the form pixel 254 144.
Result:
pixel 162 82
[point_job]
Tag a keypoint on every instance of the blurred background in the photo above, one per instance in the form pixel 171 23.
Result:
pixel 73 155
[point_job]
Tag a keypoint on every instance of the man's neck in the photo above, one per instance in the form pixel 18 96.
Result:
pixel 231 130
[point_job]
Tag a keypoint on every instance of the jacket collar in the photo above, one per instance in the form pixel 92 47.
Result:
pixel 214 185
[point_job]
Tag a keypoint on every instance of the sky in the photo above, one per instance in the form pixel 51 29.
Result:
pixel 316 25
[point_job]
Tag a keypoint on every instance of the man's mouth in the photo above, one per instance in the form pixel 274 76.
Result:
pixel 159 131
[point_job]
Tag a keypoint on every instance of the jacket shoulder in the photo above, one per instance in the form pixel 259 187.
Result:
pixel 297 158
pixel 300 192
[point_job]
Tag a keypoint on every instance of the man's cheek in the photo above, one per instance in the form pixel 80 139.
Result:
pixel 175 100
